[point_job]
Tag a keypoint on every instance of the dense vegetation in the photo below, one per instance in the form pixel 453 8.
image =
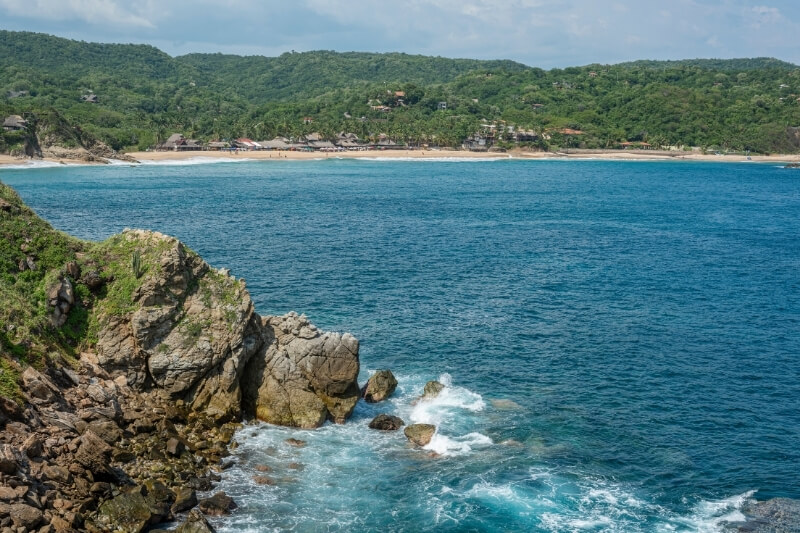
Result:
pixel 143 95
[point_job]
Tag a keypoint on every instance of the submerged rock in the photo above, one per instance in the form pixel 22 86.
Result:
pixel 380 386
pixel 432 390
pixel 386 422
pixel 420 434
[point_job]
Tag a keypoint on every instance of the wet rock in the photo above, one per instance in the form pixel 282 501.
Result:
pixel 297 443
pixel 420 434
pixel 386 422
pixel 777 515
pixel 264 480
pixel 296 466
pixel 195 523
pixel 217 505
pixel 263 468
pixel 303 376
pixel 380 386
pixel 432 390
pixel 185 499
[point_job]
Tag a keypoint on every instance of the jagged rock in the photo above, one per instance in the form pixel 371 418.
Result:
pixel 304 376
pixel 185 499
pixel 32 447
pixel 420 434
pixel 217 505
pixel 22 515
pixel 107 430
pixel 93 279
pixel 136 510
pixel 192 331
pixel 264 480
pixel 432 390
pixel 57 473
pixel 380 386
pixel 61 297
pixel 10 409
pixel 93 453
pixel 37 385
pixel 386 422
pixel 195 523
pixel 297 443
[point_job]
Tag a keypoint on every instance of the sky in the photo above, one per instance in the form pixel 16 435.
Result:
pixel 541 33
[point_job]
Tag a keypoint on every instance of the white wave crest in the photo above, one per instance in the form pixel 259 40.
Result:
pixel 195 161
pixel 448 447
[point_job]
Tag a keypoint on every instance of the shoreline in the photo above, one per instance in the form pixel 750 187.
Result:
pixel 608 155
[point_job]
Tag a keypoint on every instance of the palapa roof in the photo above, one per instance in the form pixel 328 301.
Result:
pixel 15 121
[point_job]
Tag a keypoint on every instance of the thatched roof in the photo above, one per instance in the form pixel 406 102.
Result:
pixel 15 122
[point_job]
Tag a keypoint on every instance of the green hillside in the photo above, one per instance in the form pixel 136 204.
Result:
pixel 143 95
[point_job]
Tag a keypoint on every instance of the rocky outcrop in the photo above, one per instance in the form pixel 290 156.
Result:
pixel 380 386
pixel 384 422
pixel 420 434
pixel 194 334
pixel 61 297
pixel 304 376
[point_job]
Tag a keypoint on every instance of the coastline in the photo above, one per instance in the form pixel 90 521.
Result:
pixel 610 155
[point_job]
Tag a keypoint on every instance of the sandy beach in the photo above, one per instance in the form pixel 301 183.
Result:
pixel 617 155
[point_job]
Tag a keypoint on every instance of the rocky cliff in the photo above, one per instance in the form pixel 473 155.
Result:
pixel 129 362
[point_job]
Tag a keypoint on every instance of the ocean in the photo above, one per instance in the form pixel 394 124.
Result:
pixel 620 340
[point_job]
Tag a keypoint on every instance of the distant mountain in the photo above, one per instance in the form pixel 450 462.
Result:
pixel 740 64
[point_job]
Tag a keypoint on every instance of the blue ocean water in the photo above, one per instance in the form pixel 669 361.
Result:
pixel 622 339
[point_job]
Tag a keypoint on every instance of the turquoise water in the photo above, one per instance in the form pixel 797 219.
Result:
pixel 622 339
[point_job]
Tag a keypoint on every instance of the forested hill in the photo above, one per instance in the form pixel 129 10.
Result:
pixel 302 75
pixel 133 96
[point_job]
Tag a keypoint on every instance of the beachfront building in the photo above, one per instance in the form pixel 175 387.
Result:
pixel 278 143
pixel 218 146
pixel 244 143
pixel 178 143
pixel 14 123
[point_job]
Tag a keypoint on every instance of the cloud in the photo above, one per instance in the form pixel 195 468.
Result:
pixel 139 14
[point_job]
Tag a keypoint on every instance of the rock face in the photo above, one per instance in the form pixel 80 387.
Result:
pixel 386 422
pixel 420 434
pixel 60 297
pixel 195 523
pixel 380 386
pixel 304 376
pixel 193 333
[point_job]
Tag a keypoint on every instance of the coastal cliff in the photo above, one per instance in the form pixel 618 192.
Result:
pixel 127 366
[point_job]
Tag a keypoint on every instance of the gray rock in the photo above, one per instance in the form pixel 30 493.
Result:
pixel 420 434
pixel 386 422
pixel 23 515
pixel 304 376
pixel 779 515
pixel 195 523
pixel 380 386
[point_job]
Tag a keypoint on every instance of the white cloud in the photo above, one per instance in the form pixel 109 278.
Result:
pixel 140 14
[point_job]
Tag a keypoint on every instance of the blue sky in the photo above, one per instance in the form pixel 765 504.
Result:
pixel 540 33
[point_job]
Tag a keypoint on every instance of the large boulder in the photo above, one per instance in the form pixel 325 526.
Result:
pixel 770 516
pixel 303 376
pixel 190 332
pixel 420 434
pixel 136 510
pixel 217 505
pixel 380 386
pixel 432 390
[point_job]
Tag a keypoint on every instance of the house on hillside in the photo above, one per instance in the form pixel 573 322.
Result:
pixel 14 123
pixel 308 120
pixel 89 98
pixel 525 136
pixel 442 106
pixel 476 143
pixel 17 94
